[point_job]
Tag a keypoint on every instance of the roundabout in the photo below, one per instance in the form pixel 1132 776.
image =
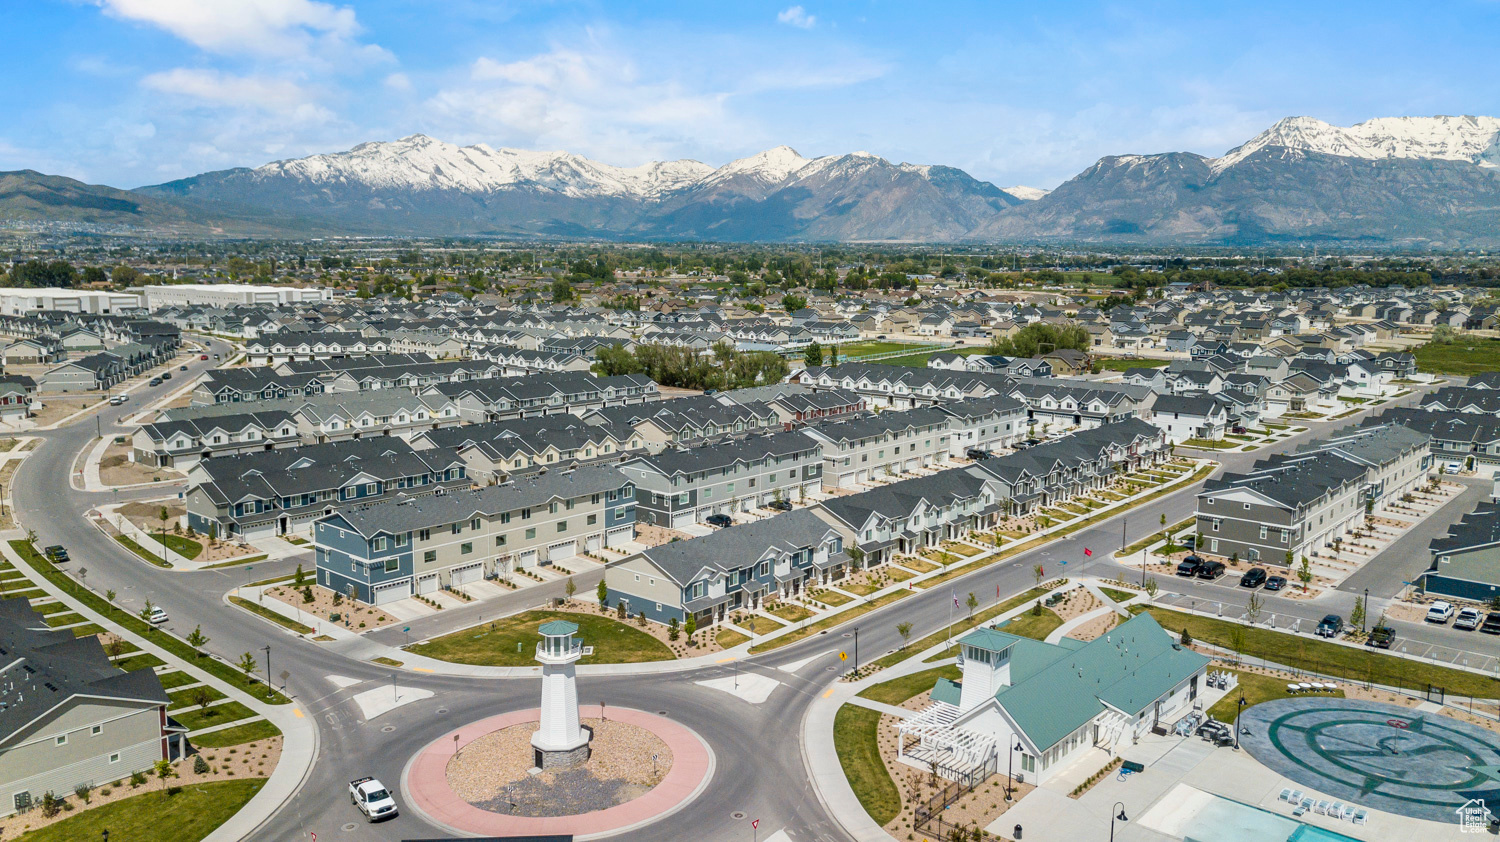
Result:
pixel 474 780
pixel 1385 757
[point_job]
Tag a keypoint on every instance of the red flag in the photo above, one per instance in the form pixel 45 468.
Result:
pixel 1087 551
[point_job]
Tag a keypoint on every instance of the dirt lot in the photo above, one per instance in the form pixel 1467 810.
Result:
pixel 50 409
pixel 115 468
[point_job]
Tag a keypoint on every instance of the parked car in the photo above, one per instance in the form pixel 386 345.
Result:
pixel 1491 624
pixel 1211 570
pixel 116 400
pixel 720 521
pixel 1330 626
pixel 1468 619
pixel 57 552
pixel 1275 583
pixel 1189 566
pixel 1253 578
pixel 779 506
pixel 202 356
pixel 1440 612
pixel 166 375
pixel 182 368
pixel 372 799
pixel 1238 429
pixel 1381 637
pixel 216 356
pixel 157 617
pixel 155 381
pixel 977 453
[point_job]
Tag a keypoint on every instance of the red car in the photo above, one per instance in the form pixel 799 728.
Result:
pixel 202 356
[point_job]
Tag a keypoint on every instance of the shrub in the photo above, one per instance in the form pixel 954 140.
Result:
pixel 200 766
pixel 85 792
pixel 51 804
pixel 137 779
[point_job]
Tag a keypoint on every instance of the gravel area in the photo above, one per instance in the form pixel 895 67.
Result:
pixel 493 772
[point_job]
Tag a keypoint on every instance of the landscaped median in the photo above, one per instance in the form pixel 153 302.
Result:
pixel 828 622
pixel 511 642
pixel 1351 663
pixel 219 669
pixel 175 813
pixel 267 614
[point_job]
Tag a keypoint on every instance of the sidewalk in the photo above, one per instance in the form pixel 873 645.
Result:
pixel 300 737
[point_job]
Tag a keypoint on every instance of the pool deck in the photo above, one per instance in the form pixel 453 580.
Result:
pixel 1048 812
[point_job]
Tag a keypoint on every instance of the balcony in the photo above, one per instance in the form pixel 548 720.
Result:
pixel 559 650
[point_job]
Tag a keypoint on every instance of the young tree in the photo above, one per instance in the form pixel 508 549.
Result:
pixel 109 594
pixel 570 589
pixel 163 770
pixel 197 639
pixel 1152 587
pixel 246 664
pixel 691 625
pixel 1304 573
pixel 603 594
pixel 1357 613
pixel 972 602
pixel 813 356
pixel 672 630
pixel 299 579
pixel 1253 608
pixel 202 695
pixel 146 611
pixel 904 629
pixel 857 558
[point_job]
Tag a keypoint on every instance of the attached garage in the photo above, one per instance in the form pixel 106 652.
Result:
pixel 526 559
pixel 562 550
pixel 619 535
pixel 593 543
pixel 391 591
pixel 467 574
pixel 681 519
pixel 427 584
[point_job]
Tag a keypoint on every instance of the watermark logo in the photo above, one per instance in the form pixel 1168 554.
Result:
pixel 1473 816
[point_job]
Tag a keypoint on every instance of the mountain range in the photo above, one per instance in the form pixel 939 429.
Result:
pixel 1431 182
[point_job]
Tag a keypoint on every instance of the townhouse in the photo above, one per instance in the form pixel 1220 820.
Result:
pixel 688 419
pixel 1456 437
pixel 281 492
pixel 390 549
pixel 984 424
pixel 1300 502
pixel 1184 417
pixel 884 445
pixel 181 443
pixel 1080 403
pixel 681 486
pixel 1465 563
pixel 69 717
pixel 499 398
pixel 900 387
pixel 707 578
pixel 498 450
pixel 281 347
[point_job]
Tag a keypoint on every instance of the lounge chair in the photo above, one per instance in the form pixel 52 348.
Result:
pixel 1336 810
pixel 1299 810
pixel 1296 796
pixel 1286 795
pixel 1361 816
pixel 1348 813
pixel 1321 808
pixel 1293 689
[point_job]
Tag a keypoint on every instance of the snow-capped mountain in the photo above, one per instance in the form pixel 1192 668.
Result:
pixel 421 185
pixel 1471 139
pixel 1028 194
pixel 1410 181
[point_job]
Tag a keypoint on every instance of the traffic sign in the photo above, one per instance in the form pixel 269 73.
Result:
pixel 755 824
pixel 843 656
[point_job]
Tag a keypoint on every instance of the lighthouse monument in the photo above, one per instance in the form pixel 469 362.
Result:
pixel 561 742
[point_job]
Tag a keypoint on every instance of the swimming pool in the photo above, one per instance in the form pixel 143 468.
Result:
pixel 1198 816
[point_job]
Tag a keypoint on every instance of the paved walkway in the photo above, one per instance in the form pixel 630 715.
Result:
pixel 300 737
pixel 425 782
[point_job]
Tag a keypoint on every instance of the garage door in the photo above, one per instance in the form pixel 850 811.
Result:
pixel 682 519
pixel 593 543
pixel 562 550
pixel 391 591
pixel 619 535
pixel 427 584
pixel 526 559
pixel 468 573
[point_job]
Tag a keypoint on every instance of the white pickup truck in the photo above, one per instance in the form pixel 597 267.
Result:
pixel 372 799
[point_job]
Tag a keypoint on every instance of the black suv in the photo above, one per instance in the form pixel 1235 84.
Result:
pixel 719 520
pixel 1491 624
pixel 1381 637
pixel 977 453
pixel 1189 566
pixel 1211 570
pixel 1253 578
pixel 779 506
pixel 57 552
pixel 1332 626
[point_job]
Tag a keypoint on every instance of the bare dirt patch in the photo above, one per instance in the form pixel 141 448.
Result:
pixel 352 615
pixel 116 468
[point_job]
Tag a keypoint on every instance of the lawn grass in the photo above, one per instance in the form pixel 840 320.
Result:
pixel 898 575
pixel 384 661
pixel 193 813
pixel 141 551
pixel 1156 536
pixel 790 612
pixel 833 598
pixel 1034 626
pixel 957 629
pixel 495 644
pixel 862 589
pixel 47 609
pixel 213 715
pixel 762 624
pixel 267 614
pixel 1465 355
pixel 86 629
pixel 856 738
pixel 1257 688
pixel 1209 444
pixel 1118 595
pixel 185 698
pixel 145 660
pixel 918 564
pixel 898 690
pixel 829 622
pixel 135 624
pixel 1115 364
pixel 238 562
pixel 1348 662
pixel 185 547
pixel 178 678
pixel 64 619
pixel 729 638
pixel 260 729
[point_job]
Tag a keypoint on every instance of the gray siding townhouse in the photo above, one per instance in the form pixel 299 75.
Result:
pixel 987 424
pixel 1185 417
pixel 682 420
pixel 1465 563
pixel 501 449
pixel 69 716
pixel 182 443
pixel 1456 436
pixel 676 488
pixel 882 446
pixel 575 392
pixel 1282 505
pixel 899 386
pixel 280 492
pixel 740 567
pixel 388 550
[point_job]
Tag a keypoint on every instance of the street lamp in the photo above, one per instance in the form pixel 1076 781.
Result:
pixel 1366 606
pixel 856 650
pixel 1239 708
pixel 1119 805
pixel 269 684
pixel 1010 770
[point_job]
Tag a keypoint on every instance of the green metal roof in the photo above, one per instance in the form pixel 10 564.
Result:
pixel 558 628
pixel 1129 668
pixel 947 690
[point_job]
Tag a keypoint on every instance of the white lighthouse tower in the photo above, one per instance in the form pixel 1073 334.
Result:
pixel 560 742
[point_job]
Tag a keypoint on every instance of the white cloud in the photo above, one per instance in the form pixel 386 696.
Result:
pixel 398 82
pixel 798 17
pixel 279 28
pixel 213 87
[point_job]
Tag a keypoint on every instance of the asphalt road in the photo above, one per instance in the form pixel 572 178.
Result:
pixel 759 772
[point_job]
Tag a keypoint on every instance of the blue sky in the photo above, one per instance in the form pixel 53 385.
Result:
pixel 132 92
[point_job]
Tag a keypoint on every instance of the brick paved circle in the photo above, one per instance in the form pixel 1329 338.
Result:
pixel 1384 757
pixel 425 782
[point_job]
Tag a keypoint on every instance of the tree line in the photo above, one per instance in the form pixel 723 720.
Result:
pixel 686 368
